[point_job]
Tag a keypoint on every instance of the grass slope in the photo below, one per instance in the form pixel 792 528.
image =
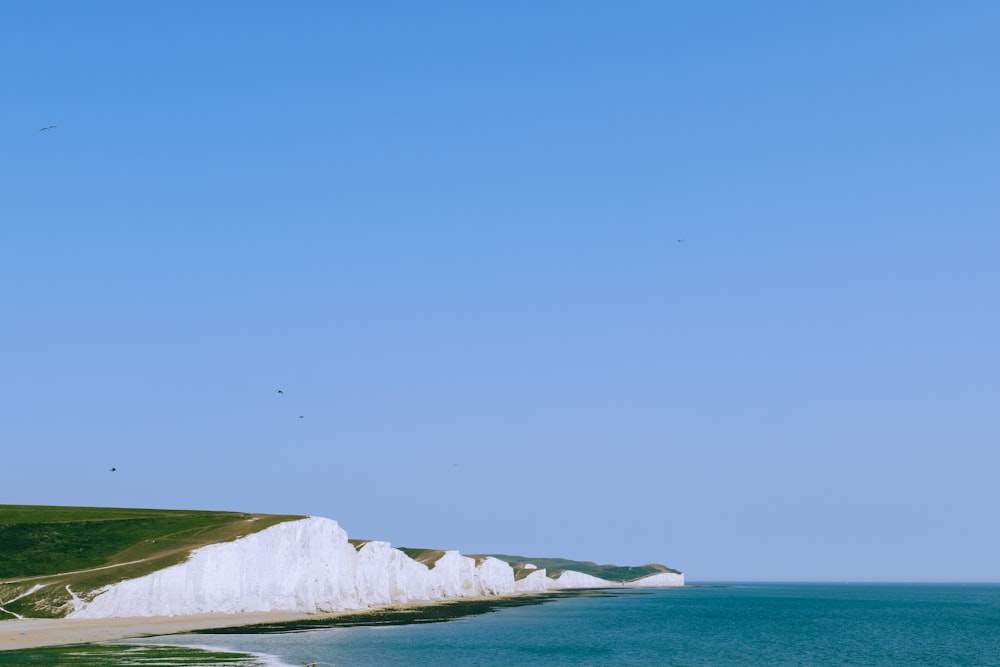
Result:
pixel 554 566
pixel 85 548
pixel 428 557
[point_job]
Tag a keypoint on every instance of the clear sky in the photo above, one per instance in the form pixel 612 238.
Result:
pixel 712 284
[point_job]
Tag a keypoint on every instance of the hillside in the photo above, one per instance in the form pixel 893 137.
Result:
pixel 43 549
pixel 617 573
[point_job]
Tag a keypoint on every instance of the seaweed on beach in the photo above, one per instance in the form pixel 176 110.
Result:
pixel 431 613
pixel 88 655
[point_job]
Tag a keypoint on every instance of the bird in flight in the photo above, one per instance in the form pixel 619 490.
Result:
pixel 113 469
pixel 680 240
pixel 301 416
pixel 47 128
pixel 280 392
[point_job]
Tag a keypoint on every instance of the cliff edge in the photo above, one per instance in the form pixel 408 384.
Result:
pixel 308 565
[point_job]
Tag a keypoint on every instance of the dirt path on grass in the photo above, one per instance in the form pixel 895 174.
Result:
pixel 64 574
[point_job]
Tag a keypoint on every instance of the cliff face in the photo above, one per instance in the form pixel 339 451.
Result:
pixel 309 566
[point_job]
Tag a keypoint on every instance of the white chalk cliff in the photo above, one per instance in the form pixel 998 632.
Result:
pixel 309 566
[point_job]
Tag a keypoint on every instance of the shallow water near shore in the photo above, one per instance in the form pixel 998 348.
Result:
pixel 719 624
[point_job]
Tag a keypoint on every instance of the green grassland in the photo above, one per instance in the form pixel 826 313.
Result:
pixel 554 566
pixel 86 548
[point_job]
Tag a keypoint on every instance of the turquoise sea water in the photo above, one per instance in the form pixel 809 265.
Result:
pixel 720 624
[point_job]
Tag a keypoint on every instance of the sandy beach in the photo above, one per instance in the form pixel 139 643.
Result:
pixel 37 632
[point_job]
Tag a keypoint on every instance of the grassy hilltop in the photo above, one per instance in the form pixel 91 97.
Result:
pixel 45 549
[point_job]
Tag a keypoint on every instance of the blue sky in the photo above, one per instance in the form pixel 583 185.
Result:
pixel 449 233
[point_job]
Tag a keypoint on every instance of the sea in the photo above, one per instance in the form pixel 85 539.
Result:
pixel 715 624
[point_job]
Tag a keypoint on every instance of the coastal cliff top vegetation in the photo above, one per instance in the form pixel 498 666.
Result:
pixel 554 566
pixel 47 548
pixel 426 556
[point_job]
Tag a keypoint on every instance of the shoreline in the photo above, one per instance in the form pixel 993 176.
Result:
pixel 29 633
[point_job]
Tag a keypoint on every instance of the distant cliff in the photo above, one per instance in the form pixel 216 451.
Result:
pixel 310 566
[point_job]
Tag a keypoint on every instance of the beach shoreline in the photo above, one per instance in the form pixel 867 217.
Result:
pixel 28 633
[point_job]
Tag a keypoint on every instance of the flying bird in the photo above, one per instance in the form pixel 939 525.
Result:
pixel 301 416
pixel 47 128
pixel 113 469
pixel 280 392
